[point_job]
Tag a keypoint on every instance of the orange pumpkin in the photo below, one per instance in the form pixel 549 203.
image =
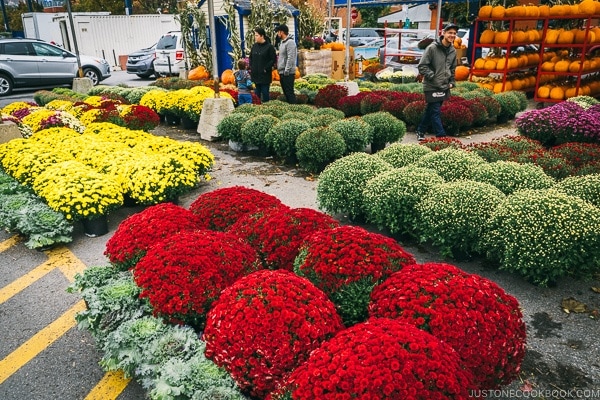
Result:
pixel 461 73
pixel 544 91
pixel 457 42
pixel 487 36
pixel 557 93
pixel 275 75
pixel 587 7
pixel 198 74
pixel 486 11
pixel 297 74
pixel 498 12
pixel 227 77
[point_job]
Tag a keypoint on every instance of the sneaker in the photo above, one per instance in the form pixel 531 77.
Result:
pixel 420 136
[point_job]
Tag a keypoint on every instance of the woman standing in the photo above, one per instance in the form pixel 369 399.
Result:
pixel 262 60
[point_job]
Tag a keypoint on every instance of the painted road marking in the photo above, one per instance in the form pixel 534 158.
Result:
pixel 8 243
pixel 113 383
pixel 39 342
pixel 109 387
pixel 61 258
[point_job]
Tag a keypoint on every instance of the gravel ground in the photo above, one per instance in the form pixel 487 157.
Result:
pixel 563 350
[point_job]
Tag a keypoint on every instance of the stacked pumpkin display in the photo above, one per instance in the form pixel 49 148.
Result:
pixel 563 62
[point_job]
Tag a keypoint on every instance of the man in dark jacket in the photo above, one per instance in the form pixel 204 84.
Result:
pixel 437 67
pixel 262 59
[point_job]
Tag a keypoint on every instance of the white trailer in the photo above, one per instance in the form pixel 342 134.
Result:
pixel 111 37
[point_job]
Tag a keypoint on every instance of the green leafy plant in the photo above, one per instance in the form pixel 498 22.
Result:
pixel 390 198
pixel 400 155
pixel 317 147
pixel 509 176
pixel 281 138
pixel 544 235
pixel 340 185
pixel 386 129
pixel 356 132
pixel 229 128
pixel 254 130
pixel 451 164
pixel 453 215
pixel 585 187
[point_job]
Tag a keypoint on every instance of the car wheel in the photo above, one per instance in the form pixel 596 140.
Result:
pixel 92 74
pixel 6 85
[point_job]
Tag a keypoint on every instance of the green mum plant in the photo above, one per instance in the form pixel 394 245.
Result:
pixel 585 187
pixel 390 198
pixel 78 191
pixel 544 235
pixel 401 155
pixel 329 111
pixel 584 101
pixel 453 215
pixel 254 130
pixel 356 133
pixel 282 137
pixel 509 176
pixel 386 129
pixel 340 186
pixel 510 104
pixel 317 147
pixel 451 164
pixel 230 127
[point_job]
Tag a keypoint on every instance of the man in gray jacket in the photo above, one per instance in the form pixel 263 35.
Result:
pixel 437 67
pixel 286 63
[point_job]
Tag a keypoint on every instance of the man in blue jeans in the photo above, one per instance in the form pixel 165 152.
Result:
pixel 437 67
pixel 286 63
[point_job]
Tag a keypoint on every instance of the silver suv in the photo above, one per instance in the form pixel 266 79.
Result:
pixel 31 63
pixel 170 54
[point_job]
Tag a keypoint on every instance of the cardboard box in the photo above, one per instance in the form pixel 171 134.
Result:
pixel 314 62
pixel 460 53
pixel 338 69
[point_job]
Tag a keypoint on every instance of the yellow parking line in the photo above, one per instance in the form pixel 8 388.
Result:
pixel 8 243
pixel 40 341
pixel 24 281
pixel 66 261
pixel 109 387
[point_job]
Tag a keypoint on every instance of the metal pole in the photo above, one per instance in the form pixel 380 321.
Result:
pixel 6 28
pixel 438 18
pixel 213 44
pixel 348 18
pixel 68 2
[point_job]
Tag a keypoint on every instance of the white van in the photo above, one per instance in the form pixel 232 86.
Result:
pixel 170 54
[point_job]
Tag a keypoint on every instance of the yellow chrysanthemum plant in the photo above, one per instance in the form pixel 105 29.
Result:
pixel 77 191
pixel 155 99
pixel 193 103
pixel 16 106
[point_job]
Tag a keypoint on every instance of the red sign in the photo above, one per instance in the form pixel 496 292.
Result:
pixel 354 14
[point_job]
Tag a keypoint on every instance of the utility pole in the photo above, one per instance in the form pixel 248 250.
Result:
pixel 6 28
pixel 68 2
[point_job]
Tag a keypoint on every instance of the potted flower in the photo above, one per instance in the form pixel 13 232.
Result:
pixel 241 335
pixel 317 43
pixel 470 313
pixel 80 193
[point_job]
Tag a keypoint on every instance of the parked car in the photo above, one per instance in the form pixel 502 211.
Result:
pixel 170 54
pixel 26 63
pixel 141 62
pixel 361 36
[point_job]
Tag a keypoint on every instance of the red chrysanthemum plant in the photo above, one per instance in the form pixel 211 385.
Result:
pixel 185 273
pixel 470 313
pixel 138 232
pixel 221 208
pixel 379 359
pixel 346 263
pixel 279 236
pixel 265 325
